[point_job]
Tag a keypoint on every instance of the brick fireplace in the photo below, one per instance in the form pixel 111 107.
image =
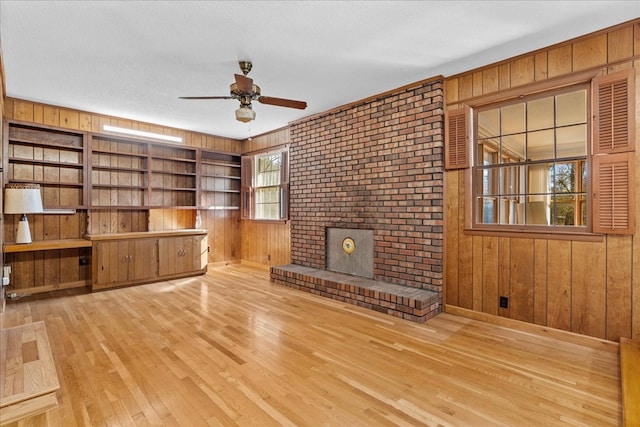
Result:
pixel 375 165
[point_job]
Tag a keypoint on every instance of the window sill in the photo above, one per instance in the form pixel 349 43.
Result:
pixel 267 221
pixel 536 234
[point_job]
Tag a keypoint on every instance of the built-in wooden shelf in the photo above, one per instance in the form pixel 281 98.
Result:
pixel 46 245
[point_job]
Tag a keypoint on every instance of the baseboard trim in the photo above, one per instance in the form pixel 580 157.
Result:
pixel 584 340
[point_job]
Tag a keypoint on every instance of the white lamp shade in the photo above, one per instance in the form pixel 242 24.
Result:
pixel 22 199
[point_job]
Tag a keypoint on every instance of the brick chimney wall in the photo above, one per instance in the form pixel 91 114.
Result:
pixel 374 165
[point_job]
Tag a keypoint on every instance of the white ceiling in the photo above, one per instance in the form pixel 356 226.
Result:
pixel 133 59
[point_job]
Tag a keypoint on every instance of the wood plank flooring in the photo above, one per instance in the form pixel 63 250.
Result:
pixel 230 348
pixel 28 378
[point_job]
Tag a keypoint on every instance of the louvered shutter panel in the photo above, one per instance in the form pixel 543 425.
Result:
pixel 456 153
pixel 284 185
pixel 613 108
pixel 613 153
pixel 613 196
pixel 246 187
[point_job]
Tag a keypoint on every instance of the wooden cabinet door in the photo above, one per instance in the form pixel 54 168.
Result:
pixel 189 254
pixel 119 262
pixel 179 255
pixel 110 263
pixel 143 259
pixel 167 255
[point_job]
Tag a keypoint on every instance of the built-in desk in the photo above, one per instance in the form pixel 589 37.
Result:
pixel 46 245
pixel 36 280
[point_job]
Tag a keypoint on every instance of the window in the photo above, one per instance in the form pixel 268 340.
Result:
pixel 265 186
pixel 530 161
pixel 532 165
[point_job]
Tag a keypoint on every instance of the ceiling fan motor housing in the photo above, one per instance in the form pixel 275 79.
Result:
pixel 235 92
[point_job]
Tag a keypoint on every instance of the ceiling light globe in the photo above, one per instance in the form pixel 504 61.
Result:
pixel 245 114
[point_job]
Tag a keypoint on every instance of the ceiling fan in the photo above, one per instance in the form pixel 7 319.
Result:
pixel 245 91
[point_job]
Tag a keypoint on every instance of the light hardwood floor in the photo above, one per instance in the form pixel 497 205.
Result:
pixel 231 348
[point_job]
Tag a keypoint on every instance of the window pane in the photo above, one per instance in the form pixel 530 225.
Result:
pixel 535 211
pixel 513 148
pixel 507 210
pixel 571 108
pixel 563 178
pixel 489 179
pixel 512 119
pixel 489 123
pixel 540 145
pixel 563 210
pixel 538 178
pixel 510 180
pixel 571 141
pixel 267 202
pixel 487 210
pixel 540 114
pixel 488 151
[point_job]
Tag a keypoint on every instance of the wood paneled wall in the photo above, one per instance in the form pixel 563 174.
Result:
pixel 37 113
pixel 588 287
pixel 266 242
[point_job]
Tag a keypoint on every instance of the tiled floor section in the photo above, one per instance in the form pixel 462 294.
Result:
pixel 405 302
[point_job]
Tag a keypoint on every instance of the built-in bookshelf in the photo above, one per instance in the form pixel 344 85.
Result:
pixel 219 180
pixel 52 158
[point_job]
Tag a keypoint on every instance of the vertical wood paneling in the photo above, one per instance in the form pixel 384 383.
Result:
pixel 266 243
pixel 490 80
pixel 38 114
pixel 618 287
pixel 540 282
pixel 451 227
pixel 590 53
pixel 23 110
pixel 504 273
pixel 451 91
pixel 541 66
pixel 84 121
pixel 522 71
pixel 504 76
pixel 465 254
pixel 477 275
pixel 559 284
pixel 620 44
pixel 521 300
pixel 588 288
pixel 465 86
pixel 489 287
pixel 560 61
pixel 478 84
pixel 51 116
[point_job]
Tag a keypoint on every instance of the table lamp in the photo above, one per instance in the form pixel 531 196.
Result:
pixel 22 199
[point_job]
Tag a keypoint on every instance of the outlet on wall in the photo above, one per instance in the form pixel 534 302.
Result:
pixel 504 302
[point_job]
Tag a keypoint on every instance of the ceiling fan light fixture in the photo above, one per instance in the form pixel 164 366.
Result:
pixel 245 114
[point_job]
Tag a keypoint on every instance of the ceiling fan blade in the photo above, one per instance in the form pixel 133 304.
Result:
pixel 205 97
pixel 245 84
pixel 281 102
